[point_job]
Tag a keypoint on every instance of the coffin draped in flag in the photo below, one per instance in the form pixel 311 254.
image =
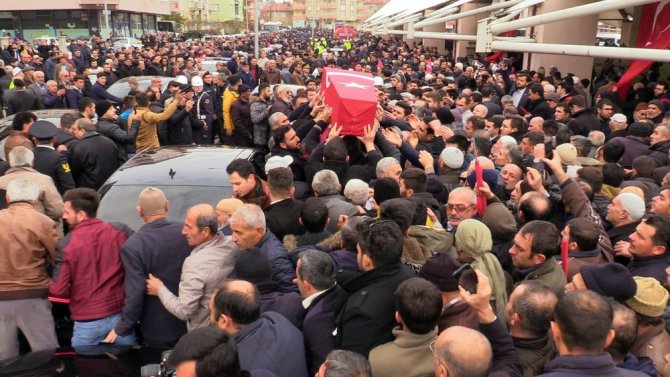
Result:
pixel 352 97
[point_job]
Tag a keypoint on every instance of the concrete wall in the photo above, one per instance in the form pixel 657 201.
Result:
pixel 468 26
pixel 139 6
pixel 429 42
pixel 576 31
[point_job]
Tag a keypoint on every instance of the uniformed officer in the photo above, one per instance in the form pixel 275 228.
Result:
pixel 204 110
pixel 47 160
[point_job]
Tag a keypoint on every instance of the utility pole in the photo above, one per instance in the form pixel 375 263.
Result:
pixel 257 12
pixel 105 14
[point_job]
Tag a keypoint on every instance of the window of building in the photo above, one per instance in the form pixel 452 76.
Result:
pixel 237 9
pixel 213 7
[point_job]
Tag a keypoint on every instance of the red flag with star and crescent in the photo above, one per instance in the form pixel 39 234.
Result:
pixel 352 97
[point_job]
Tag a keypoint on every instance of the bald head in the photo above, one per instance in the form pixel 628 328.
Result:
pixel 534 206
pixel 463 352
pixel 535 124
pixel 152 202
pixel 235 304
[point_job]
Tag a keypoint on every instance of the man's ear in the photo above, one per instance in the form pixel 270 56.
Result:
pixel 610 338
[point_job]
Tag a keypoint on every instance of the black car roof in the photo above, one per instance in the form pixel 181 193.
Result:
pixel 178 166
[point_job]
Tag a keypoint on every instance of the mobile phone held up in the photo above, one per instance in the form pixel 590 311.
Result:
pixel 467 278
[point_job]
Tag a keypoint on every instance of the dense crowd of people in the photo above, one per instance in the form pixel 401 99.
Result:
pixel 490 221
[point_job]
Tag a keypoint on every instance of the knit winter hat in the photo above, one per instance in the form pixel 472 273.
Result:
pixel 438 270
pixel 253 266
pixel 452 157
pixel 633 204
pixel 639 129
pixel 473 237
pixel 650 299
pixel 101 107
pixel 609 280
pixel 567 152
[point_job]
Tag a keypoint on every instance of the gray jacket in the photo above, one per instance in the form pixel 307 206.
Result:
pixel 260 113
pixel 337 205
pixel 208 265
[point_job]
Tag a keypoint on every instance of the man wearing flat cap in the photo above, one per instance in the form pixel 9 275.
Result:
pixel 47 160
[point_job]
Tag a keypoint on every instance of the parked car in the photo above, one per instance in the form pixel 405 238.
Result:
pixel 118 43
pixel 188 175
pixel 120 88
pixel 209 64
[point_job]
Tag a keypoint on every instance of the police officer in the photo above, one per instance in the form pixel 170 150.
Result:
pixel 204 110
pixel 47 160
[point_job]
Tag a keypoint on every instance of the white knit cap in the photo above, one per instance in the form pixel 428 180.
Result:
pixel 452 157
pixel 633 204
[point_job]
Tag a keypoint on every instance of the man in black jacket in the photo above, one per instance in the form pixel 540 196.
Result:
pixel 183 127
pixel 108 126
pixel 323 298
pixel 583 119
pixel 22 99
pixel 47 160
pixel 240 111
pixel 157 248
pixel 368 315
pixel 94 158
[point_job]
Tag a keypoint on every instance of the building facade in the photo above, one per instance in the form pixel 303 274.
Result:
pixel 80 18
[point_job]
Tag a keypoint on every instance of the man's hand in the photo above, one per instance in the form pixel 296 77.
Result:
pixel 446 132
pixel 622 249
pixel 189 105
pixel 426 159
pixel 368 138
pixel 334 132
pixel 379 114
pixel 414 121
pixel 480 301
pixel 534 179
pixel 180 95
pixel 324 115
pixel 393 137
pixel 153 285
pixel 484 190
pixel 111 337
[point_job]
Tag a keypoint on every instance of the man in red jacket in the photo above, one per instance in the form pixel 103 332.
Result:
pixel 89 270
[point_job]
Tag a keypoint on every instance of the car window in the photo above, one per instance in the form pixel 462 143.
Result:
pixel 118 204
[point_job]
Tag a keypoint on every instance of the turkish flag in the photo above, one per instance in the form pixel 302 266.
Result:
pixel 654 32
pixel 352 97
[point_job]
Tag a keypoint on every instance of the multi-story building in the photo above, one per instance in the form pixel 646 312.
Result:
pixel 78 18
pixel 328 13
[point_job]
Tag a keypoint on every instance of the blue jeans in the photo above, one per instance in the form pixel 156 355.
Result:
pixel 93 332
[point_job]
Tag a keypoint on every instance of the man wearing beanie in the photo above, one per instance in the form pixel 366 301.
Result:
pixel 624 213
pixel 608 280
pixel 655 110
pixel 157 248
pixel 635 143
pixel 652 340
pixel 108 127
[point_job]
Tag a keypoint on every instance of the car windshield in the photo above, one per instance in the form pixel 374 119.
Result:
pixel 118 204
pixel 122 89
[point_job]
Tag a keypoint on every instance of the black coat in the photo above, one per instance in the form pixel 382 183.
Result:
pixel 243 133
pixel 659 152
pixel 319 324
pixel 180 127
pixel 287 304
pixel 540 108
pixel 158 248
pixel 121 137
pixel 94 159
pixel 587 365
pixel 583 122
pixel 367 317
pixel 22 100
pixel 282 218
pixel 298 164
pixel 55 165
